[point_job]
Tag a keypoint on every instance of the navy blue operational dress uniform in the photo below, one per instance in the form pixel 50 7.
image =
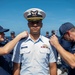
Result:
pixel 71 46
pixel 5 60
pixel 72 71
pixel 67 46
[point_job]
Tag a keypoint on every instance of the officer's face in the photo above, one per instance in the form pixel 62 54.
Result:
pixel 35 26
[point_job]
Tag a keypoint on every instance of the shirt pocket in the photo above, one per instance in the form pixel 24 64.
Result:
pixel 44 53
pixel 25 54
pixel 24 51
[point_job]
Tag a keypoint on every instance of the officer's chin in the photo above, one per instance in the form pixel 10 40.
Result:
pixel 35 33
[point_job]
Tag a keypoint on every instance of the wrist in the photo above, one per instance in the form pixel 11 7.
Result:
pixel 18 37
pixel 57 45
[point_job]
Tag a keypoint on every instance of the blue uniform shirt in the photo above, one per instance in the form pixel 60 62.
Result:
pixel 5 62
pixel 69 46
pixel 34 57
pixel 72 71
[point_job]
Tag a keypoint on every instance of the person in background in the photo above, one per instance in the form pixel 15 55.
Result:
pixel 47 34
pixel 12 33
pixel 67 31
pixel 53 32
pixel 34 55
pixel 5 49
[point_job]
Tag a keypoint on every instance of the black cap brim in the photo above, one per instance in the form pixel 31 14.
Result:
pixel 4 30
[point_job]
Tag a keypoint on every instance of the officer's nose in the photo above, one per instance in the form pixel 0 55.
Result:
pixel 35 24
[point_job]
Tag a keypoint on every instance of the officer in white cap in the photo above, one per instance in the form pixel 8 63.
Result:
pixel 34 55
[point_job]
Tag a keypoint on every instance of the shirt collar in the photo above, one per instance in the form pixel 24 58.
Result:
pixel 39 39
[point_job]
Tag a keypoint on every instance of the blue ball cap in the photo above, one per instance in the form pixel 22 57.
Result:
pixel 65 27
pixel 3 29
pixel 12 32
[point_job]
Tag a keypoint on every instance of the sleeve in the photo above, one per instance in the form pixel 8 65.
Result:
pixel 51 56
pixel 16 54
pixel 55 52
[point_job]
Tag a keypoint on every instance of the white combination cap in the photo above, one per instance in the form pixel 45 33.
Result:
pixel 34 14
